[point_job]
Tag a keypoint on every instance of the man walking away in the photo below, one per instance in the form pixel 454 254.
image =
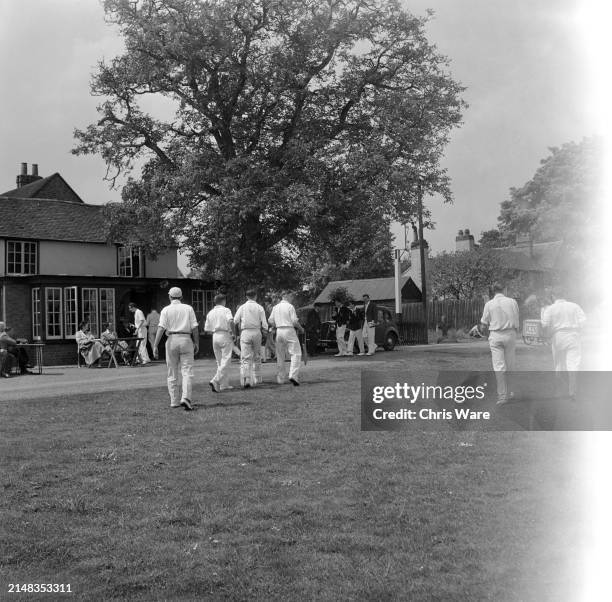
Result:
pixel 220 323
pixel 141 332
pixel 251 319
pixel 564 320
pixel 342 316
pixel 369 326
pixel 179 322
pixel 355 326
pixel 285 320
pixel 501 316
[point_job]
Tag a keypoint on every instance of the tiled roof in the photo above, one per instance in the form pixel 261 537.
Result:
pixel 51 187
pixel 379 289
pixel 50 219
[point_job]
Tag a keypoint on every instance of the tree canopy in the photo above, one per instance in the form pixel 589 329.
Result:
pixel 464 274
pixel 285 115
pixel 562 200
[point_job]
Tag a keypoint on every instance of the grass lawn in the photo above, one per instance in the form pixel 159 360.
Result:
pixel 275 494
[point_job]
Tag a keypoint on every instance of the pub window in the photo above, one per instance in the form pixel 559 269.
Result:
pixel 53 312
pixel 202 301
pixel 131 264
pixel 36 334
pixel 71 313
pixel 107 306
pixel 21 257
pixel 89 308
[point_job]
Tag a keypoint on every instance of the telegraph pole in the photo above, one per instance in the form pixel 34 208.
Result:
pixel 422 255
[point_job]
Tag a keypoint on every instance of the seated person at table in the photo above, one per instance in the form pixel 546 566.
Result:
pixel 11 353
pixel 107 338
pixel 90 349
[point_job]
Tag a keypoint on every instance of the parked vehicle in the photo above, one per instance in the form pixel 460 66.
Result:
pixel 387 332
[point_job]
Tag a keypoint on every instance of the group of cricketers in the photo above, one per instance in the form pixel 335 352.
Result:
pixel 562 321
pixel 178 321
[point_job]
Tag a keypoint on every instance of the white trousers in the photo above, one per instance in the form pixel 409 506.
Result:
pixel 369 335
pixel 151 334
pixel 503 355
pixel 287 342
pixel 355 334
pixel 222 348
pixel 566 351
pixel 567 355
pixel 250 357
pixel 142 347
pixel 340 330
pixel 179 359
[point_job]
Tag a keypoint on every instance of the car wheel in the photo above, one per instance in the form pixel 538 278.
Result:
pixel 390 341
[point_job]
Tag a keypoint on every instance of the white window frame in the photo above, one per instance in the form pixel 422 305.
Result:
pixel 32 253
pixel 57 298
pixel 125 258
pixel 202 300
pixel 197 300
pixel 36 314
pixel 71 312
pixel 106 306
pixel 89 295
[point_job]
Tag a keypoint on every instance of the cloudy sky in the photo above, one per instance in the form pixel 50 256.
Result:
pixel 523 63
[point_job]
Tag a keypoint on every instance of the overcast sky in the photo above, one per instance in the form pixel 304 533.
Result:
pixel 522 61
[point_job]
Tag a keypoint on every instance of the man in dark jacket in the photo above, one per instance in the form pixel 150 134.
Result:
pixel 355 326
pixel 369 326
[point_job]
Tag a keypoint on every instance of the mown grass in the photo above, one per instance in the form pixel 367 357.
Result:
pixel 275 494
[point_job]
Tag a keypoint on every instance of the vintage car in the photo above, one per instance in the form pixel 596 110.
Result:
pixel 387 332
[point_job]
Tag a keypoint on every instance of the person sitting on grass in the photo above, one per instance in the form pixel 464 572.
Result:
pixel 90 349
pixel 475 332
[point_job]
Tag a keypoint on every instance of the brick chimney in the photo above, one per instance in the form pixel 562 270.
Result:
pixel 23 178
pixel 524 242
pixel 464 241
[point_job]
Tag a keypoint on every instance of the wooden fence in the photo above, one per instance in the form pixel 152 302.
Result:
pixel 459 313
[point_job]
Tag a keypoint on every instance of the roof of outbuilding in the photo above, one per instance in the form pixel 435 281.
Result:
pixel 378 289
pixel 52 219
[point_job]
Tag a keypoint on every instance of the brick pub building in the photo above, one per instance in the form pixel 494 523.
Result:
pixel 58 267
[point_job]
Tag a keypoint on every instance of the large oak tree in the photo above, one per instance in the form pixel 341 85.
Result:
pixel 285 114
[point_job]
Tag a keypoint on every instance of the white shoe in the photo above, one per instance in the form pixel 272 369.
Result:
pixel 338 355
pixel 363 353
pixel 348 354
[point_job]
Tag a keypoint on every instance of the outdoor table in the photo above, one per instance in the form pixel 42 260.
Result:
pixel 38 352
pixel 133 350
